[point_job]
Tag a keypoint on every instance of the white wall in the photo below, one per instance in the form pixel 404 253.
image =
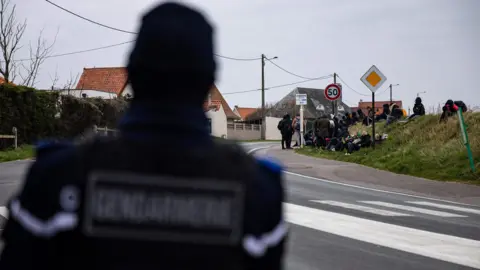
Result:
pixel 219 122
pixel 127 90
pixel 271 130
pixel 90 93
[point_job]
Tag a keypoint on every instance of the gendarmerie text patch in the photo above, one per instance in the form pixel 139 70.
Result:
pixel 163 208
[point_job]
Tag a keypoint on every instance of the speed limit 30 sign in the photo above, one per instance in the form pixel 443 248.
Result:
pixel 332 92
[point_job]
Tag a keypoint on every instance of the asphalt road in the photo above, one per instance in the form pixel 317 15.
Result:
pixel 339 226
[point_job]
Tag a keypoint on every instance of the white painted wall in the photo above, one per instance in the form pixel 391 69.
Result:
pixel 90 93
pixel 127 90
pixel 271 130
pixel 219 122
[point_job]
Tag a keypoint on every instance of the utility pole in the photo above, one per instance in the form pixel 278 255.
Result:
pixel 263 98
pixel 263 95
pixel 334 103
pixel 391 98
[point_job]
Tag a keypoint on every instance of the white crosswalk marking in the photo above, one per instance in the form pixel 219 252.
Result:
pixel 363 208
pixel 449 207
pixel 433 245
pixel 413 209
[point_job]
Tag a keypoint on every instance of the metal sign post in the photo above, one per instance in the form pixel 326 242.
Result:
pixel 373 79
pixel 463 130
pixel 302 142
pixel 301 99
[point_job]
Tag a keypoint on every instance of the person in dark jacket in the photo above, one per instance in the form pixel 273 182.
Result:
pixel 163 194
pixel 336 143
pixel 384 114
pixel 367 120
pixel 322 128
pixel 348 119
pixel 355 118
pixel 360 114
pixel 286 129
pixel 451 108
pixel 418 108
pixel 395 114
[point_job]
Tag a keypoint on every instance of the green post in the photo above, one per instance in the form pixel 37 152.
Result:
pixel 465 138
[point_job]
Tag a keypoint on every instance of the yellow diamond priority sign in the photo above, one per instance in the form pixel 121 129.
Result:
pixel 373 79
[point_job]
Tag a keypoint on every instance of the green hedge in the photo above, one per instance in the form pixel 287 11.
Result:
pixel 45 114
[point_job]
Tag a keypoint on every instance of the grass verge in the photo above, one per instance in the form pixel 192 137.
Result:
pixel 22 152
pixel 421 147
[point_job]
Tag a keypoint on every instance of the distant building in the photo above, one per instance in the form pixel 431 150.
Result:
pixel 244 112
pixel 218 113
pixel 215 94
pixel 363 105
pixel 105 82
pixel 317 105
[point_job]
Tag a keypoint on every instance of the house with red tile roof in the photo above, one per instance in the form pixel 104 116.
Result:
pixel 219 113
pixel 111 82
pixel 215 94
pixel 104 82
pixel 243 112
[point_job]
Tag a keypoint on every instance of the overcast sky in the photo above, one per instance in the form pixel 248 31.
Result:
pixel 423 45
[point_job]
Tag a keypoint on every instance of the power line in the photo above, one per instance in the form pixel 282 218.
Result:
pixel 86 19
pixel 238 59
pixel 130 32
pixel 351 87
pixel 291 73
pixel 76 52
pixel 278 86
pixel 382 92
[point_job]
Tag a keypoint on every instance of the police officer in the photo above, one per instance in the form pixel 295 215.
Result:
pixel 161 195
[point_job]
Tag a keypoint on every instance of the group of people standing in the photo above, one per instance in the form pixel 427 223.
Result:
pixel 290 129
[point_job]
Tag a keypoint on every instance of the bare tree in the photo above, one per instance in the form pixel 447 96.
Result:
pixel 71 82
pixel 68 85
pixel 54 79
pixel 11 34
pixel 38 54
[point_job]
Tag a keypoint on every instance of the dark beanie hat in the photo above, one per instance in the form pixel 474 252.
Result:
pixel 174 48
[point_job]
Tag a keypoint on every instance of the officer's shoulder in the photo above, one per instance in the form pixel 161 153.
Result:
pixel 230 146
pixel 51 154
pixel 269 164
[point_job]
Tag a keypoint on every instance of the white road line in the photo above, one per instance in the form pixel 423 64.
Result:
pixel 377 190
pixel 4 211
pixel 413 209
pixel 433 245
pixel 256 149
pixel 450 207
pixel 363 208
